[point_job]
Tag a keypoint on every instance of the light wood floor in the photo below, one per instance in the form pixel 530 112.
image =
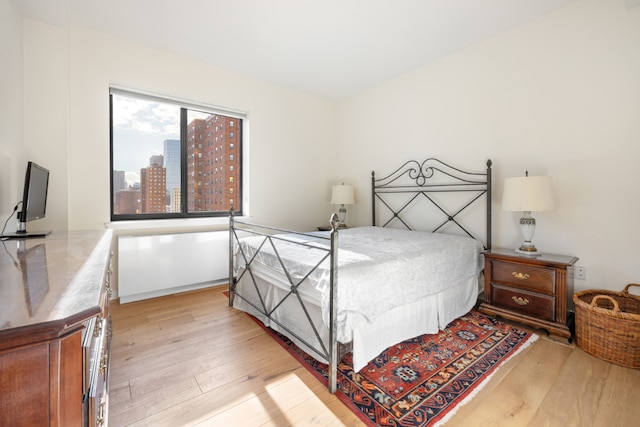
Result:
pixel 189 359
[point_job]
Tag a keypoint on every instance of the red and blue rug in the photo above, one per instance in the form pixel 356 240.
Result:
pixel 421 381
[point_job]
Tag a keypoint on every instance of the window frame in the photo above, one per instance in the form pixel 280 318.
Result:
pixel 240 130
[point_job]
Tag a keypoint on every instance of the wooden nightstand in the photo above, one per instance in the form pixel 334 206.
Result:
pixel 531 290
pixel 328 228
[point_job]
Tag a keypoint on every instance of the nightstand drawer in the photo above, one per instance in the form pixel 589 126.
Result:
pixel 532 278
pixel 528 303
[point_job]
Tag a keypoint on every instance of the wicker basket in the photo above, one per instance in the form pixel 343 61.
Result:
pixel 608 325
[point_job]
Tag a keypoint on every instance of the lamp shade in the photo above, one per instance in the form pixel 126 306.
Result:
pixel 528 193
pixel 342 195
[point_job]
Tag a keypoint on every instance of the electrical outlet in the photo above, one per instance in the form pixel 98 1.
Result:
pixel 580 272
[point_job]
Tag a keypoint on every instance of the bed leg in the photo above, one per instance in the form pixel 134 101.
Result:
pixel 232 285
pixel 333 307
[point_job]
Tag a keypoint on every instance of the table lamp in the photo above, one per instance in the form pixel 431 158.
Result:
pixel 342 195
pixel 528 194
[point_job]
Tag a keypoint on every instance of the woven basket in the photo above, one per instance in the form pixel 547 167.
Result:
pixel 608 325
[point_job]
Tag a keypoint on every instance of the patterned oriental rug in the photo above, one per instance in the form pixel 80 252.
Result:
pixel 422 381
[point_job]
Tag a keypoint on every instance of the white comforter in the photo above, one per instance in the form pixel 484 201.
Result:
pixel 378 268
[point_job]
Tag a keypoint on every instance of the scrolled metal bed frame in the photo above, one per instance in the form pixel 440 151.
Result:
pixel 413 178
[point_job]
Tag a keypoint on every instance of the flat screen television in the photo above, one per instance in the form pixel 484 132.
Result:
pixel 34 201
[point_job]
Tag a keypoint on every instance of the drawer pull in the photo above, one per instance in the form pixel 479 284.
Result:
pixel 98 328
pixel 104 364
pixel 520 276
pixel 520 300
pixel 100 418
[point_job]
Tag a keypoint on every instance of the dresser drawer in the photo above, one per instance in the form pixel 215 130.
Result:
pixel 528 303
pixel 526 277
pixel 96 400
pixel 97 351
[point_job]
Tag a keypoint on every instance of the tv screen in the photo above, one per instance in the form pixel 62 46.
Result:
pixel 34 199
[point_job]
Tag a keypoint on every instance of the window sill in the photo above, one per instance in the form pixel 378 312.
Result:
pixel 158 226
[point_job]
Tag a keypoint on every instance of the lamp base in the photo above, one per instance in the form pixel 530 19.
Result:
pixel 527 252
pixel 342 215
pixel 528 227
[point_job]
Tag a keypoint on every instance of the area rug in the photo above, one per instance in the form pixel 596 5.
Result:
pixel 422 381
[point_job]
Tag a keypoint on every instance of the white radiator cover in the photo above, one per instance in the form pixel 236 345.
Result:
pixel 163 264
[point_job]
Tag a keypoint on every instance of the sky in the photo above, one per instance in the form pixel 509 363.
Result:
pixel 139 130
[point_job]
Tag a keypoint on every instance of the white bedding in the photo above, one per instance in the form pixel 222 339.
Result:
pixel 379 269
pixel 368 339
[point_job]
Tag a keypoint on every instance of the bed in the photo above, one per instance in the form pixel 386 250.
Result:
pixel 364 289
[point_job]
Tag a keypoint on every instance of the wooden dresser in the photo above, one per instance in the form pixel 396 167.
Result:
pixel 532 290
pixel 55 329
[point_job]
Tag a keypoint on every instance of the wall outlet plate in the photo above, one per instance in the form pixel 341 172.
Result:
pixel 580 272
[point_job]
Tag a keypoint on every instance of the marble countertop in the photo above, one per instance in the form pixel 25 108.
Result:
pixel 50 284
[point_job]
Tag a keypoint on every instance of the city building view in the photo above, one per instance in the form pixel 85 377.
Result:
pixel 212 176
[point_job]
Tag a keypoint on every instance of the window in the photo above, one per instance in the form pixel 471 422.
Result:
pixel 159 149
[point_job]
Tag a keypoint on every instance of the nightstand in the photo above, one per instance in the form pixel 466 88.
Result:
pixel 531 290
pixel 328 228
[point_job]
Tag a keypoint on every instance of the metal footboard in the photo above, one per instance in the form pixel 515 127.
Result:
pixel 271 235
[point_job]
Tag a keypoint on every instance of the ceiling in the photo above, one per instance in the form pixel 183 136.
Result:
pixel 328 48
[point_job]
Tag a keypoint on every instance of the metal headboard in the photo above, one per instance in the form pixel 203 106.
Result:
pixel 423 179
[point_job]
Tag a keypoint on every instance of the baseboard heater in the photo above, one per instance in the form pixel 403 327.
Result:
pixel 162 264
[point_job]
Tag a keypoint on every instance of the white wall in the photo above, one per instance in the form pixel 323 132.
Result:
pixel 558 96
pixel 12 159
pixel 46 121
pixel 290 139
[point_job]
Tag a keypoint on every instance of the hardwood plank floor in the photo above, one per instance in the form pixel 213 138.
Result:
pixel 190 360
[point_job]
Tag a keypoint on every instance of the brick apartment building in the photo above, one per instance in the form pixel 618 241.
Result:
pixel 213 164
